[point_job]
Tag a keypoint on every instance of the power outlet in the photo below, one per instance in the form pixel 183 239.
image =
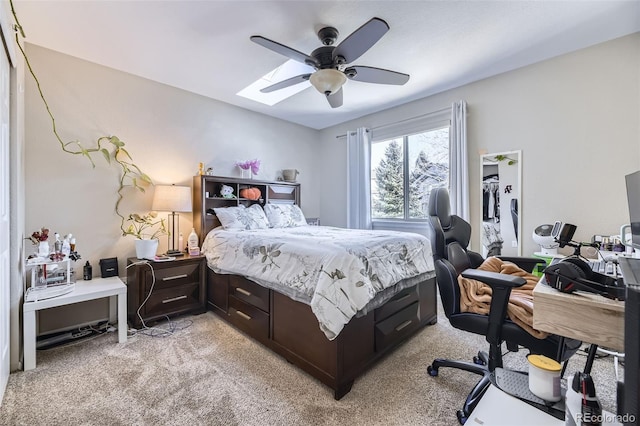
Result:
pixel 514 244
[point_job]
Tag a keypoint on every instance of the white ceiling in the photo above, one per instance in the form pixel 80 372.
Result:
pixel 204 47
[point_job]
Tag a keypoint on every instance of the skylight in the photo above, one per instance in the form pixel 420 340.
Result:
pixel 289 69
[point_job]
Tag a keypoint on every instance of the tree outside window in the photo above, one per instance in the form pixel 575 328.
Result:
pixel 405 170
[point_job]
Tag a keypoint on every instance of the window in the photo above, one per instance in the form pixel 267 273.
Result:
pixel 404 170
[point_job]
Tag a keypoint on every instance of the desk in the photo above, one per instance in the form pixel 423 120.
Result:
pixel 97 288
pixel 580 315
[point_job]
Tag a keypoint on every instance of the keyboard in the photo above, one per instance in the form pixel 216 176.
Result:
pixel 41 293
pixel 606 268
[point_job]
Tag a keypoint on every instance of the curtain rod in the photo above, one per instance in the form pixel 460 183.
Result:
pixel 401 121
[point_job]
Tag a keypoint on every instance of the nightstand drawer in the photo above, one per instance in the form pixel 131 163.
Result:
pixel 173 276
pixel 172 300
pixel 396 326
pixel 249 292
pixel 248 318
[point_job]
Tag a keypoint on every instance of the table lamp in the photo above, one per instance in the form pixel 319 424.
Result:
pixel 172 198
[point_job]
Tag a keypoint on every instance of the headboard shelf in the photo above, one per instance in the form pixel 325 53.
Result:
pixel 206 195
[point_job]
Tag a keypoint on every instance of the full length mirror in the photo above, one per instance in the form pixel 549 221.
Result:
pixel 501 203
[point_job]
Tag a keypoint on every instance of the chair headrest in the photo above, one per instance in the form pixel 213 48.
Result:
pixel 439 206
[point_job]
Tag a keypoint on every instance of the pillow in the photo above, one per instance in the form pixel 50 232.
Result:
pixel 284 215
pixel 230 217
pixel 241 218
pixel 256 218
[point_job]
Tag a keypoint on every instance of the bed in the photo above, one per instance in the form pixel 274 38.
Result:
pixel 331 301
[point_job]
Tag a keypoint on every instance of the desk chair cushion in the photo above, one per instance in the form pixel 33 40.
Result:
pixel 476 295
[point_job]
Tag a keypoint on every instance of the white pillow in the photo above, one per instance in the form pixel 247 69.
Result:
pixel 230 217
pixel 241 218
pixel 256 218
pixel 284 215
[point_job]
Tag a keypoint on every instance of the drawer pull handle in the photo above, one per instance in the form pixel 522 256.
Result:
pixel 243 291
pixel 243 315
pixel 406 296
pixel 403 325
pixel 173 299
pixel 175 277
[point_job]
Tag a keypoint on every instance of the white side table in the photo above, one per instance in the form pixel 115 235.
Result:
pixel 111 287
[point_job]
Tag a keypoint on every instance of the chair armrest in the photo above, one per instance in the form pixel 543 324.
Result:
pixel 501 285
pixel 526 263
pixel 494 279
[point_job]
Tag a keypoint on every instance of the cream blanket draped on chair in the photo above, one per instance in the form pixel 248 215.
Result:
pixel 476 296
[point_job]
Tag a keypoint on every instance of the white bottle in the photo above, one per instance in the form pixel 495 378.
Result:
pixel 181 242
pixel 57 244
pixel 192 241
pixel 66 246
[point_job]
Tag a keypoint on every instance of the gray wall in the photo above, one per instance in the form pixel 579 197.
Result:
pixel 167 131
pixel 576 119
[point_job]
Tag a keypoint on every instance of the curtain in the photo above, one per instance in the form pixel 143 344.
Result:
pixel 358 179
pixel 458 164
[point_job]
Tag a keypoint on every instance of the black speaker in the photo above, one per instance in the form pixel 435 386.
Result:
pixel 109 267
pixel 572 274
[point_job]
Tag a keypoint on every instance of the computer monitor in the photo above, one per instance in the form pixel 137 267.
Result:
pixel 633 198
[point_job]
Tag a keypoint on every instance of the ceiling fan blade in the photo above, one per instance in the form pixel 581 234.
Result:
pixel 359 41
pixel 286 83
pixel 376 75
pixel 335 100
pixel 285 50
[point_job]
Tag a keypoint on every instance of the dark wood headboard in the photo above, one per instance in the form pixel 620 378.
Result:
pixel 206 197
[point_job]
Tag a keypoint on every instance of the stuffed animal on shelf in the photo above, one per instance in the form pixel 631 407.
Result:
pixel 226 192
pixel 250 193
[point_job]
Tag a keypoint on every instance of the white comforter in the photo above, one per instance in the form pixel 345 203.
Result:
pixel 336 271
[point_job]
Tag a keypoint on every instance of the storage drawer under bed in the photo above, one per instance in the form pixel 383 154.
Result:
pixel 396 303
pixel 396 326
pixel 248 318
pixel 250 292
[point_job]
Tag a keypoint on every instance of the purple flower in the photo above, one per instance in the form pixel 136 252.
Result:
pixel 254 165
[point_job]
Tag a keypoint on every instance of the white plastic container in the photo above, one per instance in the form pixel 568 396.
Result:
pixel 544 377
pixel 192 240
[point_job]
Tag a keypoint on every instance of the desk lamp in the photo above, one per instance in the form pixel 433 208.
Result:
pixel 172 198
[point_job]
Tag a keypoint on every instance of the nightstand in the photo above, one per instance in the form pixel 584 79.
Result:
pixel 179 288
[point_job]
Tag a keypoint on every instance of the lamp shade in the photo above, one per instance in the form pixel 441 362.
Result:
pixel 328 80
pixel 171 198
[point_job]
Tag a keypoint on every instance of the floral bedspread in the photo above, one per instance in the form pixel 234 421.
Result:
pixel 336 271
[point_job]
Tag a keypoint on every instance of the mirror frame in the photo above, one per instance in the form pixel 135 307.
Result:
pixel 498 158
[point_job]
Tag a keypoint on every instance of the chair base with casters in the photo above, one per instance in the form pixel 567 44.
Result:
pixel 478 366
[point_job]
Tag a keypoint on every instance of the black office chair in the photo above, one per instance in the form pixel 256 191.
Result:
pixel 449 235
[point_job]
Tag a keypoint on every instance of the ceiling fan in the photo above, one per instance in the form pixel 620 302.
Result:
pixel 331 62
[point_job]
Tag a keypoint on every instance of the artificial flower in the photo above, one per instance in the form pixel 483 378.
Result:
pixel 39 236
pixel 254 165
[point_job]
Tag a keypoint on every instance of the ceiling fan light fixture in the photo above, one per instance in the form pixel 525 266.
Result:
pixel 327 81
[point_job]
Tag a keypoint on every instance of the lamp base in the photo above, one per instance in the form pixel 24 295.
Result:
pixel 175 253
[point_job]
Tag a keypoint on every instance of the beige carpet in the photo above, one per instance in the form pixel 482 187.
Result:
pixel 211 374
